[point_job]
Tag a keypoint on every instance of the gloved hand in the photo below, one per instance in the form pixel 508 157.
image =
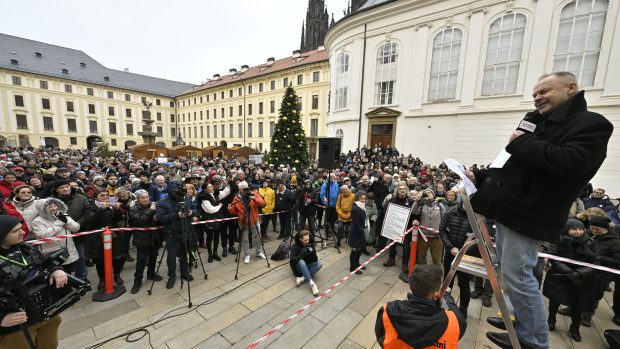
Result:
pixel 62 218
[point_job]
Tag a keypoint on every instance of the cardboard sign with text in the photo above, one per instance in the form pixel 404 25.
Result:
pixel 395 222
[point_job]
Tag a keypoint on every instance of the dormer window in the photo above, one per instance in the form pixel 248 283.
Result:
pixel 65 71
pixel 14 61
pixel 38 54
pixel 106 78
pixel 83 65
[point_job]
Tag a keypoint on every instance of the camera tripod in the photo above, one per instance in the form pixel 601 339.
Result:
pixel 189 255
pixel 246 224
pixel 329 239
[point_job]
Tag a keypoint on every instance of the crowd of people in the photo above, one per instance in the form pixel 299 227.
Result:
pixel 55 192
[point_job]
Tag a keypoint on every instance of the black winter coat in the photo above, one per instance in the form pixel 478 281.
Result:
pixel 299 252
pixel 285 201
pixel 100 218
pixel 76 209
pixel 557 287
pixel 454 228
pixel 535 189
pixel 609 253
pixel 140 216
pixel 358 223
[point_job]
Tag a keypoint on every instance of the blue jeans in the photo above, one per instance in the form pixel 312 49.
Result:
pixel 81 272
pixel 308 269
pixel 518 255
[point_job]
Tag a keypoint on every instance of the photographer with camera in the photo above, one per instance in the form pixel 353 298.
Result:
pixel 175 212
pixel 245 205
pixel 17 262
pixel 430 212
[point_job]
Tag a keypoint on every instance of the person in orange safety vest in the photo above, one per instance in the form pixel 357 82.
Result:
pixel 423 320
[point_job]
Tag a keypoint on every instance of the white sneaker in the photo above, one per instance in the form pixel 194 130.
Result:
pixel 247 259
pixel 315 289
pixel 261 255
pixel 300 280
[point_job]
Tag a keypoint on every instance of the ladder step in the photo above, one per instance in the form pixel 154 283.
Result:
pixel 474 266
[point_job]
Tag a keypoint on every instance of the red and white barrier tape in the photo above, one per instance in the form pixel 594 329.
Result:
pixel 572 261
pixel 62 237
pixel 324 293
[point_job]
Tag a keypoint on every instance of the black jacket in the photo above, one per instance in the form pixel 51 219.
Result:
pixel 98 218
pixel 299 252
pixel 285 201
pixel 609 254
pixel 140 216
pixel 356 231
pixel 454 228
pixel 535 189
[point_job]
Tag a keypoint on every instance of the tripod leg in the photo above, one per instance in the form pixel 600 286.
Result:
pixel 262 247
pixel 150 291
pixel 185 260
pixel 200 259
pixel 27 335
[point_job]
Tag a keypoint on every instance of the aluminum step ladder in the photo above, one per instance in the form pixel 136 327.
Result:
pixel 486 267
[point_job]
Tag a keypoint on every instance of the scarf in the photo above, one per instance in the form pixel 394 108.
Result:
pixel 362 206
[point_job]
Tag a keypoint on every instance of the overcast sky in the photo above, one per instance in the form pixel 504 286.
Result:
pixel 181 40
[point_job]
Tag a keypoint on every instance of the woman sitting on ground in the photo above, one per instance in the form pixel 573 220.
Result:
pixel 304 261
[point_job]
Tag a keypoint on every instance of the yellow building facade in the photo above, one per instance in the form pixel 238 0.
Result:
pixel 241 108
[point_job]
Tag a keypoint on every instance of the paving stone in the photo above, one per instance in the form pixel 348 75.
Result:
pixel 78 340
pixel 217 341
pixel 349 344
pixel 248 324
pixel 299 334
pixel 335 331
pixel 68 329
pixel 263 297
pixel 372 294
pixel 254 336
pixel 335 304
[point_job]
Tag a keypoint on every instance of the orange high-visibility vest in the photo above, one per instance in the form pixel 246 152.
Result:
pixel 449 339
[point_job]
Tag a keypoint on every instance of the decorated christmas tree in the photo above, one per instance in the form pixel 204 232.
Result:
pixel 288 145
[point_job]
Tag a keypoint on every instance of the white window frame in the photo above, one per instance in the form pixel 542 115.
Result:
pixel 440 75
pixel 386 73
pixel 341 81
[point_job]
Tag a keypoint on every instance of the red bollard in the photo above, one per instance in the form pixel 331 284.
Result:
pixel 413 251
pixel 110 290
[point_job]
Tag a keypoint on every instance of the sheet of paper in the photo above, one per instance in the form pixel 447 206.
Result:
pixel 395 222
pixel 457 168
pixel 500 160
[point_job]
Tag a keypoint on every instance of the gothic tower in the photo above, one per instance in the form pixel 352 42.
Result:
pixel 316 25
pixel 354 5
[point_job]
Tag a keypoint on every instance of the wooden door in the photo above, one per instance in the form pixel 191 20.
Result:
pixel 381 133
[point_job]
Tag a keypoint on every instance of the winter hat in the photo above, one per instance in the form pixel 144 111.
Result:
pixel 59 182
pixel 7 223
pixel 20 187
pixel 573 223
pixel 601 222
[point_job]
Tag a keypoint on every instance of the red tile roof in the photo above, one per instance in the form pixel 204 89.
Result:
pixel 264 69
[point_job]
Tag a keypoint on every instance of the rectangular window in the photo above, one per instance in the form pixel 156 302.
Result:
pixel 22 122
pixel 92 126
pixel 171 104
pixel 70 106
pixel 91 109
pixel 127 97
pixel 386 92
pixel 260 129
pixel 230 93
pixel 45 102
pixel 43 85
pixel 16 80
pixel 222 110
pixel 314 127
pixel 208 131
pixel 272 127
pixel 172 118
pixel 113 142
pixel 142 99
pixel 73 140
pixel 222 94
pixel 48 123
pixel 240 130
pixel 249 89
pixel 160 131
pixel 260 87
pixel 19 101
pixel 214 131
pixel 315 101
pixel 272 84
pixel 201 114
pixel 112 127
pixel 272 107
pixel 202 135
pixel 285 83
pixel 240 91
pixel 157 101
pixel 71 125
pixel 231 130
pixel 68 88
pixel 158 116
pixel 207 114
pixel 128 112
pixel 130 129
pixel 89 90
pixel 300 79
pixel 240 110
pixel 316 76
pixel 230 111
pixel 110 95
pixel 173 132
pixel 214 113
pixel 250 109
pixel 110 110
pixel 222 129
pixel 299 102
pixel 260 108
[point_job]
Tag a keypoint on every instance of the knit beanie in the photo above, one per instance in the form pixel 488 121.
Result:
pixel 7 223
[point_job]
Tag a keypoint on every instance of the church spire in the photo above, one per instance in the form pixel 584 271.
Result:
pixel 302 45
pixel 316 25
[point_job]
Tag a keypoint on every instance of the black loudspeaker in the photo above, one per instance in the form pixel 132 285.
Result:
pixel 329 152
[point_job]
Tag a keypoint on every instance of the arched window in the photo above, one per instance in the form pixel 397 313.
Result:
pixel 341 81
pixel 385 77
pixel 504 51
pixel 340 134
pixel 445 64
pixel 579 39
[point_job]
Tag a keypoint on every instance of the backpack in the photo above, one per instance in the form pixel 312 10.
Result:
pixel 282 252
pixel 613 338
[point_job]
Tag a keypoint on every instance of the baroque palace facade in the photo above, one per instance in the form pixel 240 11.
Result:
pixel 451 79
pixel 62 97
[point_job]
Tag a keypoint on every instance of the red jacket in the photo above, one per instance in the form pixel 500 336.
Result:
pixel 237 208
pixel 6 189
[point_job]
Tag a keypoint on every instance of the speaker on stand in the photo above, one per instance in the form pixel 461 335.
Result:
pixel 329 152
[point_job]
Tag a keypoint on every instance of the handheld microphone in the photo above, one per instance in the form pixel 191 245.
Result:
pixel 529 123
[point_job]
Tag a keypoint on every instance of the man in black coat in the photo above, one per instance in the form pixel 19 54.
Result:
pixel 531 194
pixel 285 201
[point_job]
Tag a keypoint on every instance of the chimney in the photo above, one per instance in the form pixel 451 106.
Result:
pixel 216 76
pixel 14 61
pixel 321 48
pixel 270 60
pixel 244 68
pixel 232 71
pixel 296 53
